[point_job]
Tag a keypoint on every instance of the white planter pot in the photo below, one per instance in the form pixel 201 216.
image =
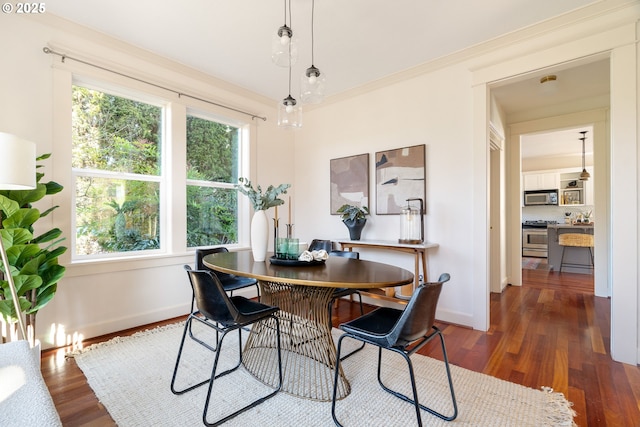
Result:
pixel 259 235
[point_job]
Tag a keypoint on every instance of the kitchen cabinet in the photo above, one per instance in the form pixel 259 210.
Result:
pixel 540 181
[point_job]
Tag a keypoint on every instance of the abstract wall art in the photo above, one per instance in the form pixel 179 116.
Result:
pixel 349 181
pixel 400 175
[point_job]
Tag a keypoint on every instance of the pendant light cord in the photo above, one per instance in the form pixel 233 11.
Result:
pixel 313 8
pixel 290 41
pixel 584 136
pixel 285 13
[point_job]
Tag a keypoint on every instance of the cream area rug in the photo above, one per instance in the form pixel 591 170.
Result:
pixel 131 378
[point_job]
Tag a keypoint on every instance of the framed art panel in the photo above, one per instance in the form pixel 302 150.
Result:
pixel 400 175
pixel 349 181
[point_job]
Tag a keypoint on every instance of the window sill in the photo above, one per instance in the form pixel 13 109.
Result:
pixel 101 266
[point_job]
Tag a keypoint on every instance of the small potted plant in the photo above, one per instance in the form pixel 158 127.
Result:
pixel 354 217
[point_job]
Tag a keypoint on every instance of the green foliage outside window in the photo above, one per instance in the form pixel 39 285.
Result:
pixel 212 161
pixel 115 135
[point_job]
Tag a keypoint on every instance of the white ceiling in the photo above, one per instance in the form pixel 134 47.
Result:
pixel 356 41
pixel 581 87
pixel 561 143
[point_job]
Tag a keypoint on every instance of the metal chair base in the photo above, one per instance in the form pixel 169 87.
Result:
pixel 361 314
pixel 574 265
pixel 406 354
pixel 221 333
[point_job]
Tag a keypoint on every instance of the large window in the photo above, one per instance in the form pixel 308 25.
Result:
pixel 116 160
pixel 212 171
pixel 120 175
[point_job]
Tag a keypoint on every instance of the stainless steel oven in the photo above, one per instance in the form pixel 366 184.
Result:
pixel 534 238
pixel 534 242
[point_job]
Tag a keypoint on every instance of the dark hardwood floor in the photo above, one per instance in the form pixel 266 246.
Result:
pixel 552 331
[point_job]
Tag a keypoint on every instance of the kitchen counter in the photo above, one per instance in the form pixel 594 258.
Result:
pixel 574 255
pixel 572 226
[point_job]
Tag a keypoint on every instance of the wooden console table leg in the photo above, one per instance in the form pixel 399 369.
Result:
pixel 407 290
pixel 424 266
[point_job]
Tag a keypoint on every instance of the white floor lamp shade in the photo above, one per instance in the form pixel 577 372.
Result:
pixel 17 163
pixel 17 172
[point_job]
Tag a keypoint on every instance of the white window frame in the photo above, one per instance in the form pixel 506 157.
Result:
pixel 243 145
pixel 173 196
pixel 98 173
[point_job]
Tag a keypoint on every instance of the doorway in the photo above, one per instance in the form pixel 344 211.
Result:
pixel 531 114
pixel 554 160
pixel 620 133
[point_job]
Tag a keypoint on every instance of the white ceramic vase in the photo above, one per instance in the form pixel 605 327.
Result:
pixel 259 235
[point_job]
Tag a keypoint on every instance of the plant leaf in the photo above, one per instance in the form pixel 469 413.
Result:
pixel 15 236
pixel 23 218
pixel 48 236
pixel 8 206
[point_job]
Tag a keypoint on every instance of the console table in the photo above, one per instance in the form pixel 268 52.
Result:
pixel 419 252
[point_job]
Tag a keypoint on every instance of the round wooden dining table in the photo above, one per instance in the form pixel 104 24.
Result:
pixel 303 293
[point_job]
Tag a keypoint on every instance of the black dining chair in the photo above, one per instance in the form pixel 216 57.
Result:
pixel 225 314
pixel 318 244
pixel 230 282
pixel 403 332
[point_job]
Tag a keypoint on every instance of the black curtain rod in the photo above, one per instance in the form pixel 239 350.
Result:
pixel 180 94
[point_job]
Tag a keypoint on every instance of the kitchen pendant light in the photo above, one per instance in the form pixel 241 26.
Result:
pixel 284 49
pixel 312 82
pixel 584 175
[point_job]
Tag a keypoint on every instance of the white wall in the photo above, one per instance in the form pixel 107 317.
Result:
pixel 434 110
pixel 447 109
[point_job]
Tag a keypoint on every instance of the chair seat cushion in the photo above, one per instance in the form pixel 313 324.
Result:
pixel 250 311
pixel 232 283
pixel 374 326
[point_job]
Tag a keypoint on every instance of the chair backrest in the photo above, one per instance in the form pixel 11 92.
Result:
pixel 345 254
pixel 419 315
pixel 317 244
pixel 201 253
pixel 211 299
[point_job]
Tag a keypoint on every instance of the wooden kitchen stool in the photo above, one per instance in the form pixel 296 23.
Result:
pixel 575 240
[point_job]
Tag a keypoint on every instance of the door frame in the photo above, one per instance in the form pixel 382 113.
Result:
pixel 622 244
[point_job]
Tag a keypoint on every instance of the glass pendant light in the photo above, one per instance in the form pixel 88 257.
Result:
pixel 312 82
pixel 284 49
pixel 289 111
pixel 584 175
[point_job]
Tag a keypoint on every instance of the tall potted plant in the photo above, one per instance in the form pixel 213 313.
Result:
pixel 354 217
pixel 33 259
pixel 261 202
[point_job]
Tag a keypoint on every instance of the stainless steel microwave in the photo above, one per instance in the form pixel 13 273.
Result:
pixel 540 197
